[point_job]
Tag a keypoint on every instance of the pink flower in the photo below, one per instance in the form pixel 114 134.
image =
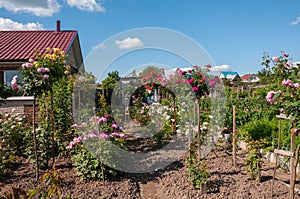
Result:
pixel 207 66
pixel 46 77
pixel 288 65
pixel 102 119
pixel 15 87
pixel 296 85
pixel 43 70
pixel 31 60
pixel 190 80
pixel 117 134
pixel 77 140
pixel 287 83
pixel 195 88
pixel 14 80
pixel 71 145
pixel 104 135
pixel 95 132
pixel 270 96
pixel 74 125
pixel 28 65
pixel 83 125
pixel 285 54
pixel 114 126
pixel 275 59
pixel 212 83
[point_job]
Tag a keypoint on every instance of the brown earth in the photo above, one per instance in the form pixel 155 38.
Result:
pixel 171 182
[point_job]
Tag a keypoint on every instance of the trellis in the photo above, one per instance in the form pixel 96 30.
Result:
pixel 292 154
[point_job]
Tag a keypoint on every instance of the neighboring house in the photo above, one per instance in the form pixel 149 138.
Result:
pixel 249 78
pixel 231 76
pixel 16 47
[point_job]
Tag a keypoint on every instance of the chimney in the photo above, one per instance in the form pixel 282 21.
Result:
pixel 58 26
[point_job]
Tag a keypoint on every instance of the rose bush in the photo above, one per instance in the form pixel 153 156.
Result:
pixel 284 94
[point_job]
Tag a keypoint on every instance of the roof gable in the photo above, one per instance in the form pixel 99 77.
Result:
pixel 21 45
pixel 225 73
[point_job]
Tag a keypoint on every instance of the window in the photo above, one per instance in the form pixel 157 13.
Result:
pixel 9 74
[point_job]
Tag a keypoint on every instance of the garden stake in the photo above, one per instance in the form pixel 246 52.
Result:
pixel 292 166
pixel 199 130
pixel 52 125
pixel 234 137
pixel 34 141
pixel 276 157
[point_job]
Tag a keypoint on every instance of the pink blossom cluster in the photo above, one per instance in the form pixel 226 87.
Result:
pixel 83 125
pixel 43 70
pixel 27 65
pixel 93 134
pixel 213 82
pixel 14 82
pixel 44 77
pixel 270 96
pixel 289 83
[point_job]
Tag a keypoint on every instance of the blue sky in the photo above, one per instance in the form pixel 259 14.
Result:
pixel 235 33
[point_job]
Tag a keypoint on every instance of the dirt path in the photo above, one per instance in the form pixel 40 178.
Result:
pixel 171 182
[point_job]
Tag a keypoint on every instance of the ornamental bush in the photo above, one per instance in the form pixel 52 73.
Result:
pixel 13 130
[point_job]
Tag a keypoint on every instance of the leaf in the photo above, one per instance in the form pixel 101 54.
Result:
pixel 277 95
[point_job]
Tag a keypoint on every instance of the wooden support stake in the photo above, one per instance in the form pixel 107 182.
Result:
pixel 34 140
pixel 292 167
pixel 234 136
pixel 276 157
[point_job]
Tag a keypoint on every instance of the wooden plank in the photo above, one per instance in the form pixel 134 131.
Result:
pixel 284 153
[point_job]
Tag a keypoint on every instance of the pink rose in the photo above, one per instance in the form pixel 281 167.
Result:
pixel 190 80
pixel 285 54
pixel 296 85
pixel 195 88
pixel 114 126
pixel 275 59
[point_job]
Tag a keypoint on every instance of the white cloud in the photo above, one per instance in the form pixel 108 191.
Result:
pixel 296 21
pixel 8 24
pixel 37 7
pixel 129 43
pixel 100 46
pixel 218 69
pixel 86 5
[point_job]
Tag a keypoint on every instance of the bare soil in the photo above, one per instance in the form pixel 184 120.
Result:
pixel 171 182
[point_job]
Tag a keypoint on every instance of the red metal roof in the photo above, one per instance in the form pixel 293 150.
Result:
pixel 21 45
pixel 245 77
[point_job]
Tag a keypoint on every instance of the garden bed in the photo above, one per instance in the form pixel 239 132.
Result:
pixel 171 182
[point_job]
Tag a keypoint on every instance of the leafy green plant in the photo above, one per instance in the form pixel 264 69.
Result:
pixel 254 158
pixel 197 169
pixel 13 128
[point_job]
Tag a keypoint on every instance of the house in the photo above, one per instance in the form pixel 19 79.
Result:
pixel 16 47
pixel 249 78
pixel 231 76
